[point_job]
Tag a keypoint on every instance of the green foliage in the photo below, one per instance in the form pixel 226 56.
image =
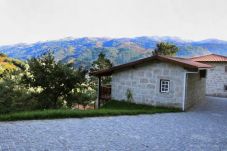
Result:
pixel 83 94
pixel 55 79
pixel 129 95
pixel 165 49
pixel 9 64
pixel 112 108
pixel 100 64
pixel 14 96
pixel 84 98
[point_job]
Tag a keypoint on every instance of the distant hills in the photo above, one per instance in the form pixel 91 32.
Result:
pixel 82 51
pixel 9 64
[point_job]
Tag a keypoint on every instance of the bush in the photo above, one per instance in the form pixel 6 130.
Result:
pixel 82 95
pixel 14 96
pixel 129 95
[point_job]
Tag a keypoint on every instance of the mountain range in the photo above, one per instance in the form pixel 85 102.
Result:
pixel 83 51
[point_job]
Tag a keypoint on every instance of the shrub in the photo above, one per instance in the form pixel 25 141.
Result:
pixel 14 96
pixel 129 95
pixel 84 95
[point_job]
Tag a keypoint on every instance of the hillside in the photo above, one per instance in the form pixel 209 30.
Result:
pixel 7 63
pixel 82 51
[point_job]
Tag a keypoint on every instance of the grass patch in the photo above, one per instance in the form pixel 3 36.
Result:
pixel 112 108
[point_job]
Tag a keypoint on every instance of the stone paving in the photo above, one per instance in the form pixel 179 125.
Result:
pixel 202 129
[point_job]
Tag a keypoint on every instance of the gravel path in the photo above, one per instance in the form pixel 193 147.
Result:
pixel 203 128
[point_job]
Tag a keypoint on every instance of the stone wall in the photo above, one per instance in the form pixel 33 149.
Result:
pixel 195 89
pixel 144 83
pixel 216 79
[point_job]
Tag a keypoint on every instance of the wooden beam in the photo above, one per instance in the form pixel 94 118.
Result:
pixel 99 93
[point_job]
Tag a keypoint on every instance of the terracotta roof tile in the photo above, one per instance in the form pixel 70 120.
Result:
pixel 210 58
pixel 190 62
pixel 186 63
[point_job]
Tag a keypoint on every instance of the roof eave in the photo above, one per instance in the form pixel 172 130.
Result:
pixel 108 72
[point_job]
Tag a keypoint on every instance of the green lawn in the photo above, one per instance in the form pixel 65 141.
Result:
pixel 112 108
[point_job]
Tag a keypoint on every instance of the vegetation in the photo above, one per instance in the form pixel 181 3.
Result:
pixel 9 64
pixel 100 64
pixel 112 108
pixel 14 95
pixel 44 84
pixel 55 80
pixel 129 95
pixel 165 49
pixel 85 94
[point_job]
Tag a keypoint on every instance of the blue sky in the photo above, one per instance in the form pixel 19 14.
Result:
pixel 39 20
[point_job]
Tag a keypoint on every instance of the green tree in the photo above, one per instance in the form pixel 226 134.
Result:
pixel 165 49
pixel 55 80
pixel 100 64
pixel 14 95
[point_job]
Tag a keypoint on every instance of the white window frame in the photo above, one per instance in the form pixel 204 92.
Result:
pixel 164 85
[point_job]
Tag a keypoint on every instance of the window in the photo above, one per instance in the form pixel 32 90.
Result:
pixel 225 68
pixel 225 87
pixel 164 86
pixel 203 73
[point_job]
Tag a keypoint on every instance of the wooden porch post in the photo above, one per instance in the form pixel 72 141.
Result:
pixel 99 93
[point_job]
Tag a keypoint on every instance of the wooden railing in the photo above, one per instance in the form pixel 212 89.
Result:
pixel 106 92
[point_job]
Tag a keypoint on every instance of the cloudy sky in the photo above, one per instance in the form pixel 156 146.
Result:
pixel 39 20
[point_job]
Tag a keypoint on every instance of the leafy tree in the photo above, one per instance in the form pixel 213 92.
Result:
pixel 100 64
pixel 165 49
pixel 14 95
pixel 55 79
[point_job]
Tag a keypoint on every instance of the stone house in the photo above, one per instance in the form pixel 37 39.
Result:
pixel 216 82
pixel 158 81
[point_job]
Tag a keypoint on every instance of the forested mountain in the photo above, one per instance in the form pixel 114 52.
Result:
pixel 82 51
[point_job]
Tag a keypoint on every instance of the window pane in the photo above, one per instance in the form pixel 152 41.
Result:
pixel 164 86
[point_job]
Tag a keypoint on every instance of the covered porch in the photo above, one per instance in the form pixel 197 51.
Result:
pixel 104 92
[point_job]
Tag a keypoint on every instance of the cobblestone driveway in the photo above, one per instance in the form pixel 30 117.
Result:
pixel 203 128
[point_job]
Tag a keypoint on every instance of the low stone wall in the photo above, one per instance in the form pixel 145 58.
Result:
pixel 144 83
pixel 216 79
pixel 195 89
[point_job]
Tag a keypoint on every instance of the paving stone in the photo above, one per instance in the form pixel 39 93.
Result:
pixel 203 128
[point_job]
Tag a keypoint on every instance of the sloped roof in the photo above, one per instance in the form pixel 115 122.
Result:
pixel 210 58
pixel 186 63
